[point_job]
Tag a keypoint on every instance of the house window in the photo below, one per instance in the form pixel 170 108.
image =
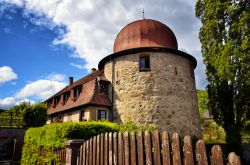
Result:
pixel 57 99
pixel 65 97
pixel 82 116
pixel 144 63
pixel 77 91
pixel 104 88
pixel 102 115
pixel 49 103
pixel 69 116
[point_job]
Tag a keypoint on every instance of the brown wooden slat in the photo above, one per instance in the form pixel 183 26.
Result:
pixel 156 146
pixel 106 143
pixel 188 151
pixel 120 149
pixel 81 155
pixel 94 150
pixel 110 148
pixel 115 151
pixel 84 154
pixel 87 153
pixel 126 148
pixel 98 150
pixel 176 149
pixel 233 159
pixel 166 156
pixel 90 151
pixel 140 151
pixel 216 158
pixel 132 148
pixel 201 155
pixel 101 149
pixel 148 148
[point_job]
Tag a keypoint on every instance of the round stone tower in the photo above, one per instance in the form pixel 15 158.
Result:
pixel 153 82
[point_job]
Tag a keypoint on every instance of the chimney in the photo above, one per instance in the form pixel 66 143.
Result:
pixel 93 69
pixel 70 80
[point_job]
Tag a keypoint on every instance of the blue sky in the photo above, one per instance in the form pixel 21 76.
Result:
pixel 42 43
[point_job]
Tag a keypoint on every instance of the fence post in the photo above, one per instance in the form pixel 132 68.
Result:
pixel 233 159
pixel 217 157
pixel 201 154
pixel 72 151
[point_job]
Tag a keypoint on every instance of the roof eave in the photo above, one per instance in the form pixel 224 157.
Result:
pixel 145 49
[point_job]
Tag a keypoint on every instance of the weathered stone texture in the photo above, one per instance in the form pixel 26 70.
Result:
pixel 164 96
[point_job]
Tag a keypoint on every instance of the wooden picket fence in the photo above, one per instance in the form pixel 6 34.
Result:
pixel 150 149
pixel 60 154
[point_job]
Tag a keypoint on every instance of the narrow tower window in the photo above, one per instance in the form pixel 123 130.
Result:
pixel 144 63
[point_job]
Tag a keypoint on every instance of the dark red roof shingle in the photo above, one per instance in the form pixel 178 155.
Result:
pixel 89 95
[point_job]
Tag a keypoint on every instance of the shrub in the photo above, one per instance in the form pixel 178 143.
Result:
pixel 212 132
pixel 35 115
pixel 53 136
pixel 130 126
pixel 30 115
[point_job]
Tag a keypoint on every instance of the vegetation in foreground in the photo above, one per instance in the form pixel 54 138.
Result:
pixel 52 137
pixel 213 133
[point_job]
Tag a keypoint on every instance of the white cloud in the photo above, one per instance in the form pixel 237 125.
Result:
pixel 77 65
pixel 7 74
pixel 7 102
pixel 42 89
pixel 38 90
pixel 26 101
pixel 56 77
pixel 91 26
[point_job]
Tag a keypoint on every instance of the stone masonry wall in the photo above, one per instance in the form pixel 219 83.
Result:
pixel 164 96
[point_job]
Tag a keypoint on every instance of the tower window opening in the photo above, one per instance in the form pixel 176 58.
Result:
pixel 144 63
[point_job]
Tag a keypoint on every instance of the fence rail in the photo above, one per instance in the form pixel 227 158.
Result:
pixel 11 120
pixel 151 149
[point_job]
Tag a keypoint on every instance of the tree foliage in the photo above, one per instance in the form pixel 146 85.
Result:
pixel 202 102
pixel 35 115
pixel 32 115
pixel 225 40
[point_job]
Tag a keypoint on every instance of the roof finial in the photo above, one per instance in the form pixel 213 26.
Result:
pixel 143 13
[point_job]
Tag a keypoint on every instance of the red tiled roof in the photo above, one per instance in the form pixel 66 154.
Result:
pixel 89 95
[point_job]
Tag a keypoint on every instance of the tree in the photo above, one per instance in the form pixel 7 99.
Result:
pixel 35 115
pixel 32 115
pixel 225 40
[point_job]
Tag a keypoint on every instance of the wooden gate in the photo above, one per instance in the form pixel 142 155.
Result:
pixel 151 149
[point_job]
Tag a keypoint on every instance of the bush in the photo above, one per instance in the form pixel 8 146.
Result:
pixel 53 136
pixel 26 115
pixel 212 132
pixel 130 126
pixel 35 115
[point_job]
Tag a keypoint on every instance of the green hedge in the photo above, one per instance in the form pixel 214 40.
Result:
pixel 53 136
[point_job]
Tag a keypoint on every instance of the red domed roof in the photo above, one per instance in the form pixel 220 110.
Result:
pixel 145 33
